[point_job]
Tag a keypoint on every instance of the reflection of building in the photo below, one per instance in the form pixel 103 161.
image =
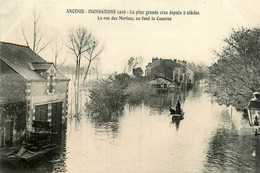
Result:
pixel 190 76
pixel 174 70
pixel 33 95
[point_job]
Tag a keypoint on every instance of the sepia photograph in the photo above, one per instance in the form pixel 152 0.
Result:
pixel 109 86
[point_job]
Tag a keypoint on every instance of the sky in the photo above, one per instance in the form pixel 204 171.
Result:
pixel 186 37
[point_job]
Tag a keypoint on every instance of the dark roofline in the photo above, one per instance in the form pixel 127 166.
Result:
pixel 57 80
pixel 51 63
pixel 253 104
pixel 41 62
pixel 18 58
pixel 15 44
pixel 163 78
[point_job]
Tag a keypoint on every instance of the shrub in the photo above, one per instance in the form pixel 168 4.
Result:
pixel 138 91
pixel 109 96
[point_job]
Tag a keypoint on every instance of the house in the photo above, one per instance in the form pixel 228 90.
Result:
pixel 160 83
pixel 33 97
pixel 174 70
pixel 161 67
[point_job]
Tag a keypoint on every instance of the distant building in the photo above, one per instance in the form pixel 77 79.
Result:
pixel 161 67
pixel 160 83
pixel 174 70
pixel 33 96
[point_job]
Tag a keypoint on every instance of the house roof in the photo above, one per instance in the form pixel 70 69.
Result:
pixel 21 59
pixel 161 77
pixel 41 65
pixel 165 62
pixel 254 105
pixel 160 80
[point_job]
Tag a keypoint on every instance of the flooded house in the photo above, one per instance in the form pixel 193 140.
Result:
pixel 161 83
pixel 33 97
pixel 172 70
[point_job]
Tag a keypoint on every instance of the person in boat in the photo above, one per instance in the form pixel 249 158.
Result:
pixel 178 107
pixel 256 123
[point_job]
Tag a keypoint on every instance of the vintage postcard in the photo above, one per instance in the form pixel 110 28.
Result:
pixel 109 86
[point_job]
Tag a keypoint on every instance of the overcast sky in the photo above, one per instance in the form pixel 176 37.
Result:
pixel 191 38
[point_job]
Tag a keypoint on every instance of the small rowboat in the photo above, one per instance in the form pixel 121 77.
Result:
pixel 176 114
pixel 179 116
pixel 23 155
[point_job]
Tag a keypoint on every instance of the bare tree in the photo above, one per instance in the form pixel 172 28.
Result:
pixel 79 44
pixel 37 44
pixel 56 51
pixel 98 69
pixel 93 53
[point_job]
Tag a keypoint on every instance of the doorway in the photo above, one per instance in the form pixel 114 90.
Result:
pixel 56 121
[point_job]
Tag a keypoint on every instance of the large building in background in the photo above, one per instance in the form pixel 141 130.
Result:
pixel 174 70
pixel 33 96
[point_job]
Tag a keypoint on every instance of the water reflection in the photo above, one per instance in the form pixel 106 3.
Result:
pixel 164 100
pixel 144 138
pixel 231 150
pixel 176 121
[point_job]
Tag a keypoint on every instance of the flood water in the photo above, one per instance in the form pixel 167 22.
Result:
pixel 145 139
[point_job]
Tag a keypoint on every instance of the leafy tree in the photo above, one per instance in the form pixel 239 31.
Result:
pixel 236 74
pixel 108 96
pixel 138 72
pixel 133 63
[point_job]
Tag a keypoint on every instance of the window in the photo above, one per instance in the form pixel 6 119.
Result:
pixel 41 112
pixel 51 86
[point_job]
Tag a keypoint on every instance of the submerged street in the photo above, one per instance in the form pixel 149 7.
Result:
pixel 210 138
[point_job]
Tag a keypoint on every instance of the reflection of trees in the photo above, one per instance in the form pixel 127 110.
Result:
pixel 107 124
pixel 110 128
pixel 163 101
pixel 257 152
pixel 157 103
pixel 217 155
pixel 196 91
pixel 231 152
